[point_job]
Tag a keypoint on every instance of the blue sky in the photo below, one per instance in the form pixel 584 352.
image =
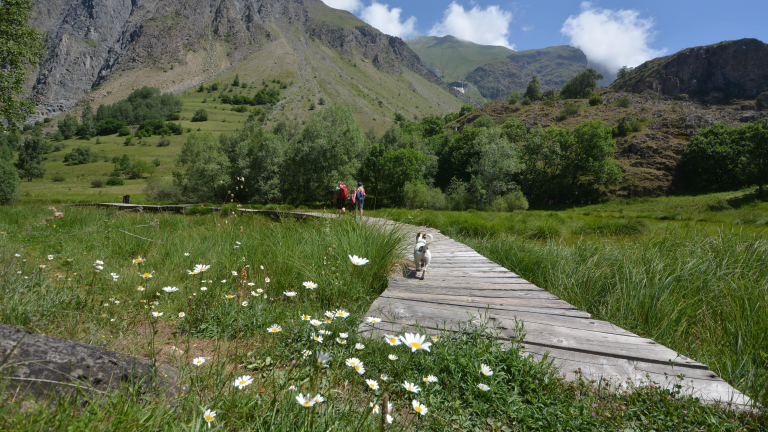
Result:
pixel 612 33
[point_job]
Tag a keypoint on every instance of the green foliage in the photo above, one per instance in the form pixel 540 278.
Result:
pixel 31 159
pixel 526 101
pixel 68 126
pixel 236 82
pixel 328 149
pixel 201 115
pixel 569 110
pixel 138 169
pixel 9 181
pixel 582 85
pixel 623 72
pixel 533 92
pixel 87 127
pixel 143 104
pixel 21 47
pixel 514 98
pixel 79 155
pixel 418 195
pixel 466 109
pixel 204 177
pixel 595 100
pixel 627 126
pixel 624 102
pixel 123 131
pixel 97 183
pixel 111 126
pixel 115 181
pixel 385 173
pixel 510 202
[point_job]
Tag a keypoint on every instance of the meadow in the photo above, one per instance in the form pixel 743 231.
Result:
pixel 214 326
pixel 688 272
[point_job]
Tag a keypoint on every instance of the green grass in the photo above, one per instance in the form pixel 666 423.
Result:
pixel 67 299
pixel 455 58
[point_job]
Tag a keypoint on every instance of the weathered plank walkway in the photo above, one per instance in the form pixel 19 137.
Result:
pixel 463 286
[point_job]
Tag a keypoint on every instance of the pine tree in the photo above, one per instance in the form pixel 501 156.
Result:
pixel 236 82
pixel 533 92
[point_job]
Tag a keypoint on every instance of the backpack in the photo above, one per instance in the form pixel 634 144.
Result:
pixel 359 194
pixel 343 191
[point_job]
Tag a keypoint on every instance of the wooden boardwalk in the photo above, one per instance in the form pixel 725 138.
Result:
pixel 462 286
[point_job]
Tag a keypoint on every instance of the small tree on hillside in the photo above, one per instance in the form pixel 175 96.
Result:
pixel 68 126
pixel 582 85
pixel 533 92
pixel 623 72
pixel 200 115
pixel 9 181
pixel 236 82
pixel 31 162
pixel 514 98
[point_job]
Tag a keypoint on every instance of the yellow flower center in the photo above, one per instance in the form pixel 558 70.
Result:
pixel 393 340
pixel 208 418
pixel 418 408
pixel 306 403
pixel 415 344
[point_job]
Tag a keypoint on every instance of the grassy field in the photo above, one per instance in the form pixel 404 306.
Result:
pixel 688 272
pixel 52 288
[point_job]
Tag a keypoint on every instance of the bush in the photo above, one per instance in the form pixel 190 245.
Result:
pixel 9 182
pixel 138 168
pixel 514 98
pixel 201 115
pixel 115 181
pixel 156 162
pixel 159 190
pixel 595 100
pixel 624 102
pixel 421 196
pixel 79 155
pixel 110 126
pixel 163 142
pixel 515 201
pixel 97 183
pixel 128 141
pixel 57 147
pixel 526 101
pixel 582 85
pixel 568 111
pixel 57 178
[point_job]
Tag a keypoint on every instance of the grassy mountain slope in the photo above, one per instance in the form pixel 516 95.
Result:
pixel 453 58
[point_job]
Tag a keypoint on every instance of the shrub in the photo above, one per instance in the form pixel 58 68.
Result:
pixel 57 178
pixel 160 190
pixel 321 101
pixel 533 92
pixel 9 182
pixel 201 115
pixel 97 183
pixel 128 141
pixel 115 181
pixel 138 168
pixel 624 102
pixel 163 142
pixel 526 101
pixel 568 111
pixel 515 201
pixel 514 98
pixel 124 131
pixel 156 162
pixel 174 116
pixel 57 147
pixel 582 85
pixel 595 100
pixel 421 196
pixel 79 155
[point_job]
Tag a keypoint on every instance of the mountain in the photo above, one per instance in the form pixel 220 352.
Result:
pixel 452 58
pixel 496 71
pixel 98 52
pixel 727 70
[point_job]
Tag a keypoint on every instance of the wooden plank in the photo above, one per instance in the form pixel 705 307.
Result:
pixel 479 300
pixel 494 284
pixel 493 293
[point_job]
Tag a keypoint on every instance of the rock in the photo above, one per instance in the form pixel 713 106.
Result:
pixel 42 365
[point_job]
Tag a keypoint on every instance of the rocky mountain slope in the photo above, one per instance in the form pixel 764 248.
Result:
pixel 100 51
pixel 452 58
pixel 648 158
pixel 720 72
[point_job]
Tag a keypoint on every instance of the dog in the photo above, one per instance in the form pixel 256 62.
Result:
pixel 421 254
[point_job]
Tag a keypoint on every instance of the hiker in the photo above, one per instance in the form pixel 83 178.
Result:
pixel 340 195
pixel 359 198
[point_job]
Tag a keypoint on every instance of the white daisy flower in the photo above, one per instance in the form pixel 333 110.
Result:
pixel 144 275
pixel 316 323
pixel 245 303
pixel 259 291
pixel 243 381
pixel 274 328
pixel 223 281
pixel 229 296
pixel 310 285
pixel 186 253
pixel 319 398
pixel 50 257
pixel 251 284
pixel 430 379
pixel 138 260
pixel 341 341
pixel 234 273
pixel 266 280
pixel 305 401
pixel 182 314
pixel 323 358
pixel 360 369
pixel 169 289
pixel 358 261
pixel 290 293
pixel 198 361
pixel 421 409
pixel 292 388
pixel 341 313
pixel 392 340
pixel 392 357
pixel 306 353
pixel 199 268
pixel 203 288
pixel 209 416
pixel 343 335
pixel 157 314
pixel 353 361
pixel 372 384
pixel 330 314
pixel 384 377
pixel 317 338
pixel 325 332
pixel 390 419
pixel 486 370
pixel 416 342
pixel 411 387
pixel 359 346
pixel 373 320
pixel 483 387
pixel 306 317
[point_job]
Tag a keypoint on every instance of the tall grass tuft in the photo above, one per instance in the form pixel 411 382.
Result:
pixel 702 295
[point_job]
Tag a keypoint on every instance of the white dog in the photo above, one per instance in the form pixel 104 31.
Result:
pixel 421 254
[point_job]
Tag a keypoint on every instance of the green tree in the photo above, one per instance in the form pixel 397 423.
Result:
pixel 79 155
pixel 21 47
pixel 494 169
pixel 205 169
pixel 466 109
pixel 236 82
pixel 533 92
pixel 329 149
pixel 582 85
pixel 514 98
pixel 755 164
pixel 87 127
pixel 200 115
pixel 9 180
pixel 623 72
pixel 68 126
pixel 31 161
pixel 713 158
pixel 386 171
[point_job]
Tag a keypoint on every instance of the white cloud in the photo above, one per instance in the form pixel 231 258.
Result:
pixel 612 38
pixel 488 26
pixel 528 28
pixel 388 20
pixel 349 5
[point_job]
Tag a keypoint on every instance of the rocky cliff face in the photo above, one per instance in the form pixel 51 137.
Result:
pixel 554 66
pixel 728 70
pixel 90 41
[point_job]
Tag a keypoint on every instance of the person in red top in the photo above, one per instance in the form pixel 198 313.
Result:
pixel 359 197
pixel 340 196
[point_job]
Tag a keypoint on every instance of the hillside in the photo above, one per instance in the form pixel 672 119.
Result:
pixel 452 58
pixel 99 52
pixel 554 66
pixel 720 72
pixel 648 157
